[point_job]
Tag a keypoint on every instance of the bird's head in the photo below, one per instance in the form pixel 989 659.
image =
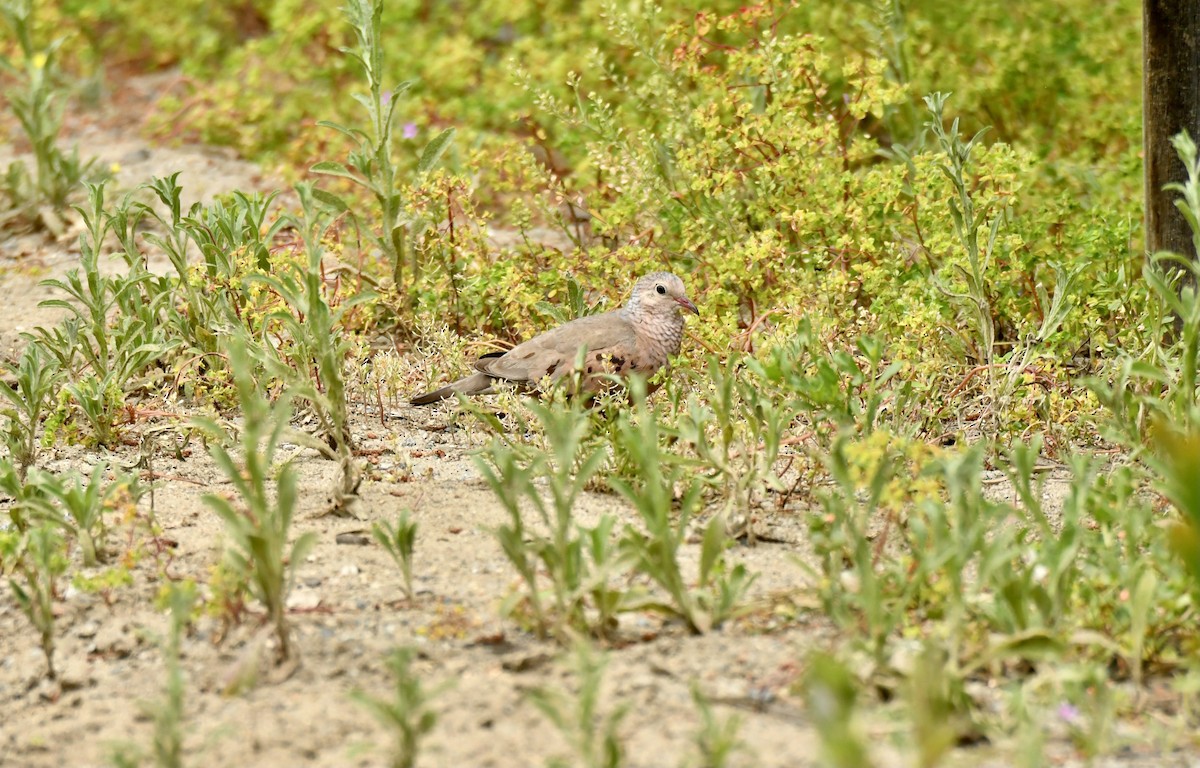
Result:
pixel 661 293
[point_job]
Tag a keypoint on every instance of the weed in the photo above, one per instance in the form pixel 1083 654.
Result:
pixel 112 326
pixel 835 390
pixel 1181 464
pixel 591 734
pixel 407 715
pixel 831 693
pixel 717 739
pixel 579 562
pixel 937 703
pixel 37 380
pixel 371 164
pixel 30 505
pixel 318 348
pixel 840 535
pixel 37 102
pixel 84 506
pixel 735 430
pixel 656 552
pixel 167 750
pixel 1160 385
pixel 232 238
pixel 259 524
pixel 37 558
pixel 399 539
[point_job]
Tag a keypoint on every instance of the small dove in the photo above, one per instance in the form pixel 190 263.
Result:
pixel 637 338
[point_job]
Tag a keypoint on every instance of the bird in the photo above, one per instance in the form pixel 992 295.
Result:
pixel 638 338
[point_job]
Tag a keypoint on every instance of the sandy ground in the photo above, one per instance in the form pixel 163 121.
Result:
pixel 348 610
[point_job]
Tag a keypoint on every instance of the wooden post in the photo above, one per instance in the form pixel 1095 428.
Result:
pixel 1171 103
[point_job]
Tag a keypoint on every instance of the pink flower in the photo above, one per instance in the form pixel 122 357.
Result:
pixel 410 131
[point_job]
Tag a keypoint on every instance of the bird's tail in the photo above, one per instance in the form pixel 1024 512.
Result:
pixel 475 384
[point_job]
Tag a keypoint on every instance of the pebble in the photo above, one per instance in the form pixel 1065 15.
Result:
pixel 76 673
pixel 303 600
pixel 87 629
pixel 356 538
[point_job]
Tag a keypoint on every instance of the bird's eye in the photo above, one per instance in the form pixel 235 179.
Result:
pixel 660 290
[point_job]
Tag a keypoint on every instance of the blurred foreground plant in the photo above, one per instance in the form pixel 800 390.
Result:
pixel 167 749
pixel 407 715
pixel 592 734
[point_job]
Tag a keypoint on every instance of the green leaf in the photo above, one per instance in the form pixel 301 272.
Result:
pixel 712 546
pixel 353 133
pixel 333 168
pixel 433 151
pixel 331 201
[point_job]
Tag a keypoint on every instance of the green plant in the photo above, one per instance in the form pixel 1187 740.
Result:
pixel 399 540
pixel 591 734
pixel 1160 384
pixel 113 326
pixel 37 559
pixel 407 715
pixel 37 380
pixel 233 237
pixel 37 101
pixel 936 702
pixel 840 535
pixel 259 523
pixel 311 366
pixel 579 562
pixel 969 219
pixel 30 505
pixel 575 306
pixel 84 506
pixel 167 714
pixel 371 164
pixel 656 552
pixel 735 427
pixel 835 390
pixel 831 693
pixel 716 739
pixel 1180 482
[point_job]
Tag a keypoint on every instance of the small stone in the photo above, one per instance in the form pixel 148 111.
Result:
pixel 525 662
pixel 355 538
pixel 87 629
pixel 349 570
pixel 139 155
pixel 303 600
pixel 76 673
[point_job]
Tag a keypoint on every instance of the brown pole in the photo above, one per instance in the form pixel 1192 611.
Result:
pixel 1171 104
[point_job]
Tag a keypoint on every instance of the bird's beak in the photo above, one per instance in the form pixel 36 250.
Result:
pixel 687 304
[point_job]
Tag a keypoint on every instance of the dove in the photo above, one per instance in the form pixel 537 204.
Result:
pixel 637 338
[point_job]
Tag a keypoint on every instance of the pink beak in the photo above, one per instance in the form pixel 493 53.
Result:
pixel 687 304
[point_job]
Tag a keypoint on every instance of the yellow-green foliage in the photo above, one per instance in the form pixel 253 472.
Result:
pixel 756 149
